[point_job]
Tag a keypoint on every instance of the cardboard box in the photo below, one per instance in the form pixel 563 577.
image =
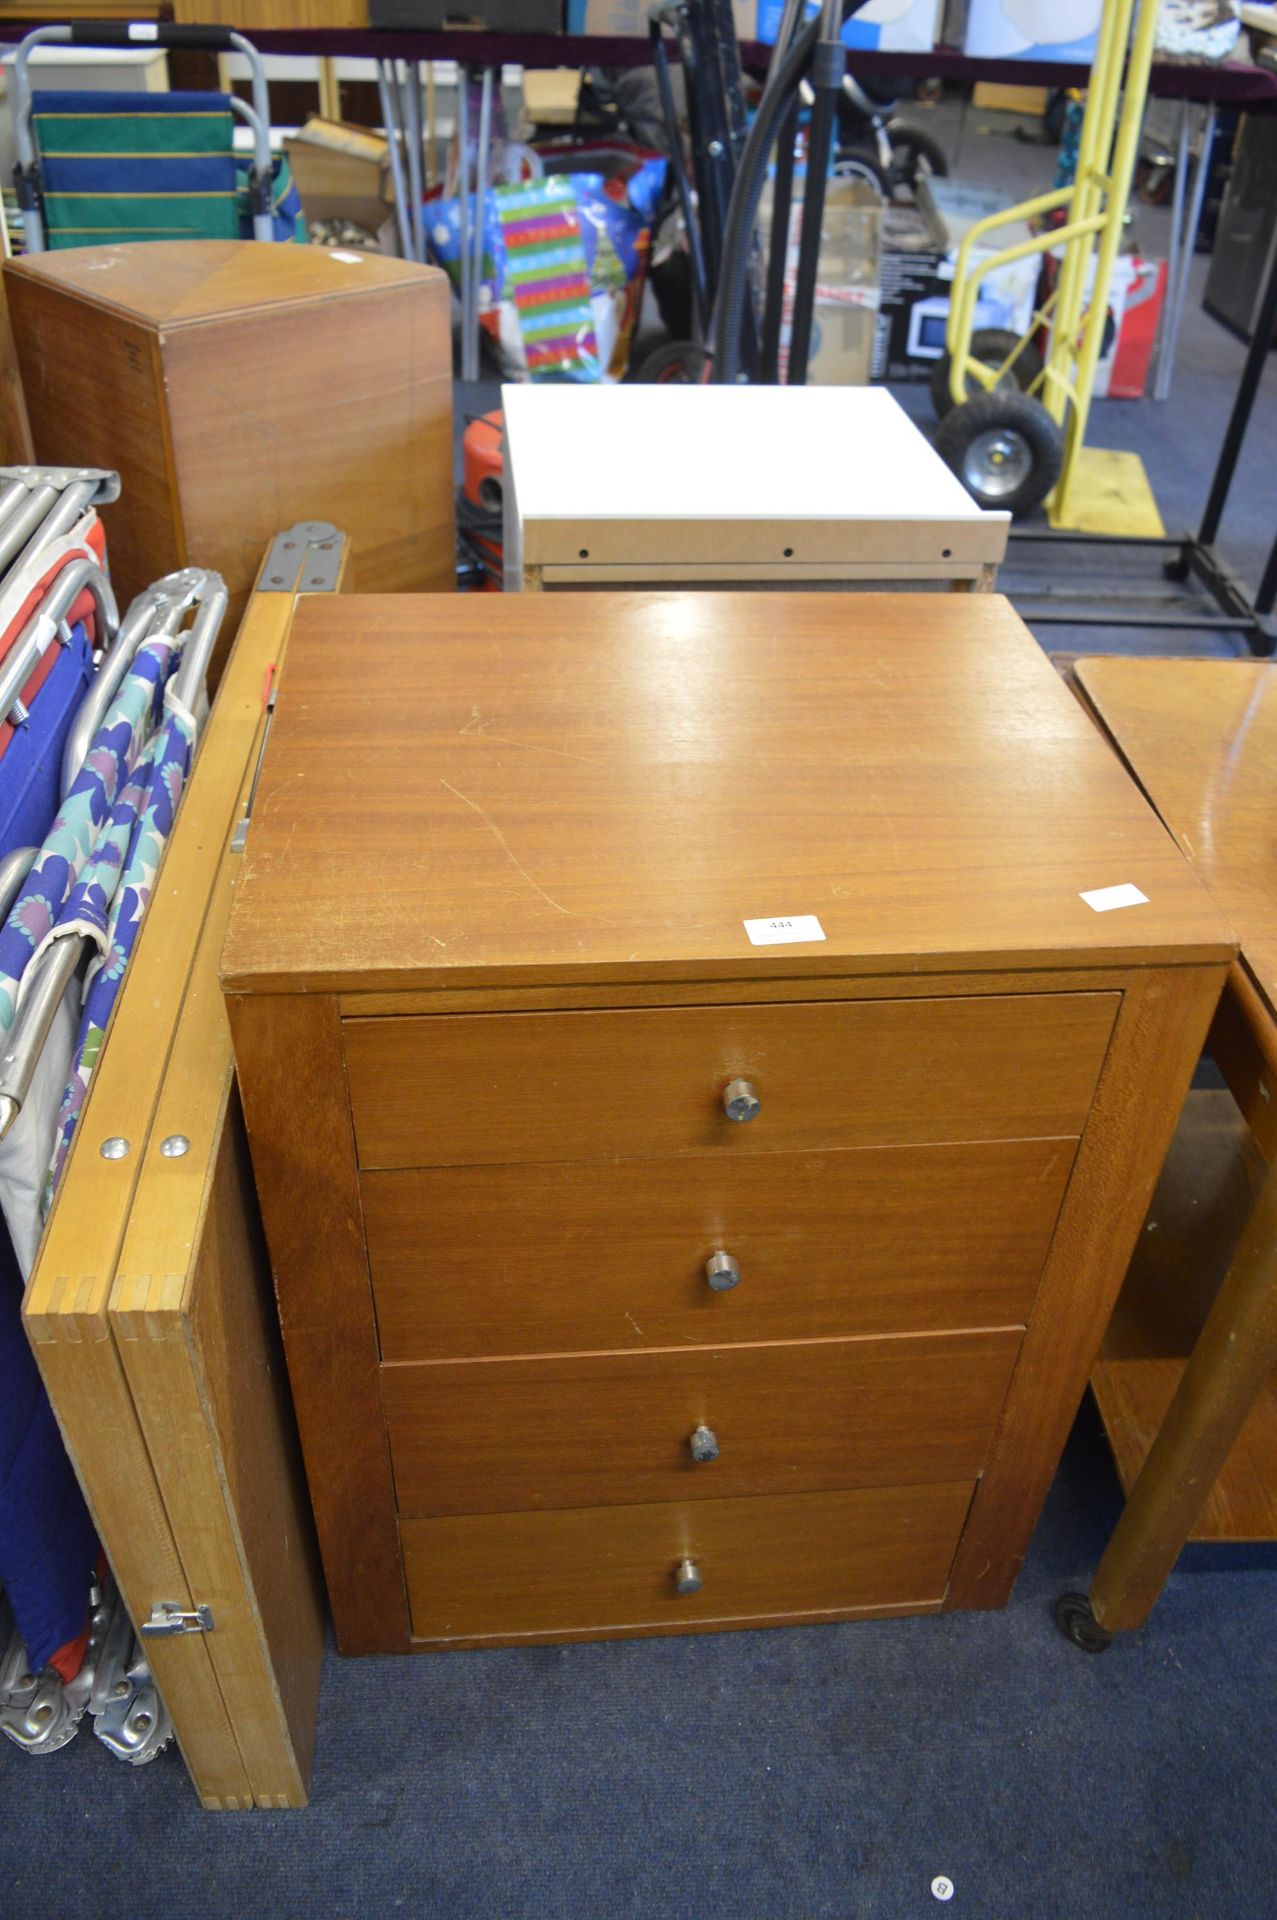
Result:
pixel 991 96
pixel 1032 30
pixel 914 308
pixel 342 172
pixel 552 95
pixel 847 288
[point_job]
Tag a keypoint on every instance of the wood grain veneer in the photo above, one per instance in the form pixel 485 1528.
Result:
pixel 239 387
pixel 490 973
pixel 476 1261
pixel 584 1573
pixel 496 1435
pixel 597 1086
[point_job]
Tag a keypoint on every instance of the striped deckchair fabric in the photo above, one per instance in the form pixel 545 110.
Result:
pixel 136 167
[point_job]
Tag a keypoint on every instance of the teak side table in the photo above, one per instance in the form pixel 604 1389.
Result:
pixel 701 1122
pixel 629 486
pixel 1186 1384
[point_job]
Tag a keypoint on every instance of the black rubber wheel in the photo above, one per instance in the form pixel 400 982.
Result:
pixel 990 346
pixel 678 364
pixel 915 152
pixel 1175 569
pixel 857 163
pixel 1075 1620
pixel 1005 448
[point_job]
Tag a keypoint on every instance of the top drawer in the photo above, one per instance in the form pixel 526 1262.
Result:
pixel 464 1089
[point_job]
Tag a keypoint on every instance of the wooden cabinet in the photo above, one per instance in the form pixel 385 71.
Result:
pixel 238 387
pixel 700 1121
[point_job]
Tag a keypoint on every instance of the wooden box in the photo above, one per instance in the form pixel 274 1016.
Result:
pixel 701 1120
pixel 238 387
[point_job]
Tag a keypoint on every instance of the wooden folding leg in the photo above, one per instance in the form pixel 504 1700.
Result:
pixel 1235 1353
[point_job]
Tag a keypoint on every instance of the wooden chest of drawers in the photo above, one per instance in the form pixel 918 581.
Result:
pixel 646 1263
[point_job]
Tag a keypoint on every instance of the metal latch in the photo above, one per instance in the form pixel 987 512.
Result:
pixel 239 839
pixel 168 1618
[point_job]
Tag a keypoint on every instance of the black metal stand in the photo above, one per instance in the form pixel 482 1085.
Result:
pixel 717 125
pixel 1192 557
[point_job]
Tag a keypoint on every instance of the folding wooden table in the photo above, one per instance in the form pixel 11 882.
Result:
pixel 1186 1386
pixel 150 1304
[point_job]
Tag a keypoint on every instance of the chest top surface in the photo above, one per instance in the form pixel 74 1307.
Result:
pixel 175 283
pixel 478 790
pixel 1201 738
pixel 696 453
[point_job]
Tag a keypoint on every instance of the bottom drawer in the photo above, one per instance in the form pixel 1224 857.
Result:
pixel 764 1561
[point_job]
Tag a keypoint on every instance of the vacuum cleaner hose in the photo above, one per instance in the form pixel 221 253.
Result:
pixel 743 210
pixel 742 214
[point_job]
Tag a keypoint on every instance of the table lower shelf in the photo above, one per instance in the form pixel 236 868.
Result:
pixel 1200 1205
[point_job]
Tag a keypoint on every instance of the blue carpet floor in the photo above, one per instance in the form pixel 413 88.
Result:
pixel 828 1773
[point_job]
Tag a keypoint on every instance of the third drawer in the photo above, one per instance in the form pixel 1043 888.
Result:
pixel 493 1436
pixel 471 1262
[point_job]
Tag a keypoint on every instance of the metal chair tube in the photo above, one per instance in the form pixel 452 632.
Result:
pixel 391 128
pixel 168 600
pixel 45 982
pixel 189 679
pixel 69 506
pixel 14 868
pixel 26 521
pixel 41 629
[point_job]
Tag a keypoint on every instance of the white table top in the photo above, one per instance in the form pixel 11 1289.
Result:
pixel 632 453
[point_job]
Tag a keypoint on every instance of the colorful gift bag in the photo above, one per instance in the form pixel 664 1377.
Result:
pixel 548 279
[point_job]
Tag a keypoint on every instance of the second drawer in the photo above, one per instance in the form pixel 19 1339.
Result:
pixel 497 1436
pixel 470 1262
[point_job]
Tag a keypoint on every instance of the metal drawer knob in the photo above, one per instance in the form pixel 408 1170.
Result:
pixel 704 1445
pixel 722 1272
pixel 687 1577
pixel 740 1102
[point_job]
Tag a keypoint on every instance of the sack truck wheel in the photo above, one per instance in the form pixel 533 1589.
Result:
pixel 990 346
pixel 1005 448
pixel 915 153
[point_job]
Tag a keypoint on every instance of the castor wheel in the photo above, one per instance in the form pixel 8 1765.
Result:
pixel 1073 1616
pixel 1176 569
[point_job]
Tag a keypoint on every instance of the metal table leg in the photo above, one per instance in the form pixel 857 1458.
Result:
pixel 1183 246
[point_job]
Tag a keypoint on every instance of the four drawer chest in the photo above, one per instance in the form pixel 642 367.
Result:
pixel 706 1058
